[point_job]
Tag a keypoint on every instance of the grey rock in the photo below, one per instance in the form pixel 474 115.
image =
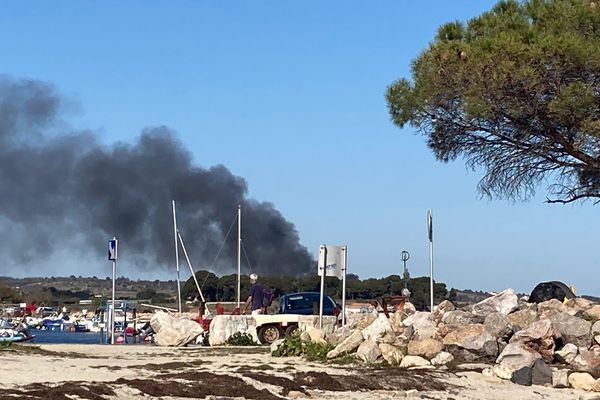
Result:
pixel 541 374
pixel 522 376
pixel 350 344
pixel 554 304
pixel 471 343
pixel 443 358
pixel 378 329
pixel 368 351
pixel 222 327
pixel 174 331
pixel 390 353
pixel 458 318
pixel 522 319
pixel 567 354
pixel 339 335
pixel 560 378
pixel 588 360
pixel 596 328
pixel 503 302
pixel 497 324
pixel 516 356
pixel 592 313
pixel 572 329
pixel 413 361
pixel 538 337
pixel 445 306
pixel 423 324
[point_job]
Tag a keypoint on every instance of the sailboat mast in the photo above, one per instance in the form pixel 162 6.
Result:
pixel 239 255
pixel 177 257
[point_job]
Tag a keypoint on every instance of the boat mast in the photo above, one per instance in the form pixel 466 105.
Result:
pixel 239 255
pixel 177 257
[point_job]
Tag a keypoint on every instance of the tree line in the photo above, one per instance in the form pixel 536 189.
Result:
pixel 224 288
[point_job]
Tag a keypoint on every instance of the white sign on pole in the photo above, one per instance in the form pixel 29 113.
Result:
pixel 334 262
pixel 112 250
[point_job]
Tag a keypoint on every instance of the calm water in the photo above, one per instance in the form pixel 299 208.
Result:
pixel 65 337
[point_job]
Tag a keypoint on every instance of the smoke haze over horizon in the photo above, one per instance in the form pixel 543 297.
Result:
pixel 64 194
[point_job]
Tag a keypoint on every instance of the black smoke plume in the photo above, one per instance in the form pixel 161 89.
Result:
pixel 56 184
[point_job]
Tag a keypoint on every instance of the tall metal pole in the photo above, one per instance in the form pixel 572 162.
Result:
pixel 239 256
pixel 177 257
pixel 112 313
pixel 430 232
pixel 323 270
pixel 344 270
pixel 192 270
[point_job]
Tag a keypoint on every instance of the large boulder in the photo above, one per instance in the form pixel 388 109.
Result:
pixel 350 344
pixel 316 335
pixel 426 348
pixel 541 373
pixel 442 308
pixel 339 335
pixel 580 304
pixel 444 358
pixel 572 329
pixel 360 320
pixel 396 321
pixel 522 376
pixel 378 329
pixel 497 324
pixel 582 381
pixel 173 331
pixel 423 325
pixel 567 354
pixel 560 378
pixel 588 360
pixel 368 351
pixel 522 319
pixel 592 313
pixel 390 353
pixel 471 343
pixel 503 302
pixel 413 361
pixel 596 328
pixel 445 306
pixel 222 327
pixel 539 337
pixel 516 356
pixel 306 322
pixel 458 318
pixel 555 305
pixel 500 371
pixel 409 308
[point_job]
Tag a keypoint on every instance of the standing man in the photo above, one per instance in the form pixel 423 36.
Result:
pixel 255 296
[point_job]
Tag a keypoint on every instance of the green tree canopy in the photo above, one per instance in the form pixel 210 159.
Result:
pixel 516 93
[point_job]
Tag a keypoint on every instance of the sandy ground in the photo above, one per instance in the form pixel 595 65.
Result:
pixel 98 372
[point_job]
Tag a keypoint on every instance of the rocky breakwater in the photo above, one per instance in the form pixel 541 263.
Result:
pixel 550 343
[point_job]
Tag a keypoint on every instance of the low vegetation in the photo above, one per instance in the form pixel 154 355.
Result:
pixel 293 346
pixel 241 339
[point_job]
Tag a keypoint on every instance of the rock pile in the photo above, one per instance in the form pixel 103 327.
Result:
pixel 549 343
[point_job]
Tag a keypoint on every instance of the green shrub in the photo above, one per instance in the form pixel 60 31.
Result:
pixel 241 339
pixel 293 346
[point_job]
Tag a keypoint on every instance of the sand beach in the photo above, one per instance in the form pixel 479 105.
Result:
pixel 97 372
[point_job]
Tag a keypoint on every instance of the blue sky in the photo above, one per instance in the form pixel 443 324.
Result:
pixel 290 95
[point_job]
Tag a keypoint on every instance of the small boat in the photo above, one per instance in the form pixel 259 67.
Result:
pixel 13 335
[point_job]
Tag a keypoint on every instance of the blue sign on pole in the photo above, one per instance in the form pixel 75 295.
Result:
pixel 112 249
